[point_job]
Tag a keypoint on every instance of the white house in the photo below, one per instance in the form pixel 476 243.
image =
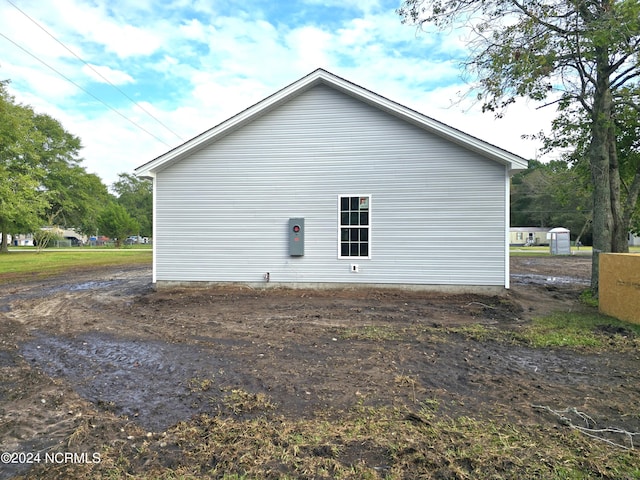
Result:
pixel 529 236
pixel 325 182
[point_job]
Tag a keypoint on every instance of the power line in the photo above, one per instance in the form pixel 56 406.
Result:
pixel 94 70
pixel 83 89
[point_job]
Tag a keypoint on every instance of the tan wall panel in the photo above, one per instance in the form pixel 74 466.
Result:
pixel 619 291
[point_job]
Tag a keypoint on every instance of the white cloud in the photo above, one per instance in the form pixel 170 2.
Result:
pixel 193 29
pixel 360 5
pixel 355 32
pixel 127 40
pixel 193 65
pixel 35 86
pixel 107 74
pixel 93 23
pixel 310 47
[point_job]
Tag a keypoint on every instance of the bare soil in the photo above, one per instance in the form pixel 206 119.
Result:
pixel 106 351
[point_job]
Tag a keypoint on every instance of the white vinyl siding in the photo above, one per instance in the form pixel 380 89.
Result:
pixel 222 212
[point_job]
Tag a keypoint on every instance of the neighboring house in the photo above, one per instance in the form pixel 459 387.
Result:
pixel 528 236
pixel 325 183
pixel 634 240
pixel 70 236
pixel 66 238
pixel 21 240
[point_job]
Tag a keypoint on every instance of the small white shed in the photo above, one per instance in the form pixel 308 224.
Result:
pixel 327 183
pixel 559 241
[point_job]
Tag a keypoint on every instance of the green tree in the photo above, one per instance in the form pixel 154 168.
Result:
pixel 584 53
pixel 75 196
pixel 42 181
pixel 628 143
pixel 136 196
pixel 550 195
pixel 115 222
pixel 570 134
pixel 22 201
pixel 91 197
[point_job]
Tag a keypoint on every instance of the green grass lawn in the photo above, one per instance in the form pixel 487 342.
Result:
pixel 22 264
pixel 25 263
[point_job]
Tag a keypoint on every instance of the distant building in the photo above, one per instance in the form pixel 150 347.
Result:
pixel 21 240
pixel 528 236
pixel 68 237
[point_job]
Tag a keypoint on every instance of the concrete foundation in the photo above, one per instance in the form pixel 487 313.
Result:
pixel 457 289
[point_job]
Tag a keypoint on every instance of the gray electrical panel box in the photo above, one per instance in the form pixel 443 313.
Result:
pixel 296 237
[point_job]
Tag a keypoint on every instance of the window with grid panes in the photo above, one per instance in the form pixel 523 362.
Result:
pixel 354 226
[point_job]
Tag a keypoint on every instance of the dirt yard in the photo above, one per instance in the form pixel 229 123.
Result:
pixel 98 358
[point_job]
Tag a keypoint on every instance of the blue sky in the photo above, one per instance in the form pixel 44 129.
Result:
pixel 143 76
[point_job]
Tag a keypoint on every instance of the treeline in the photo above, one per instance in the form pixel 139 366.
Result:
pixel 557 194
pixel 43 182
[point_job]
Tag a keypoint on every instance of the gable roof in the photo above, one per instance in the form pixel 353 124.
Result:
pixel 322 77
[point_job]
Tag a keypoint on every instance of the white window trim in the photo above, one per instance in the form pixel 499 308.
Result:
pixel 338 212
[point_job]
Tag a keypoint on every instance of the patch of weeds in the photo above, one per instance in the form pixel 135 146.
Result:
pixel 465 447
pixel 580 331
pixel 428 409
pixel 407 381
pixel 591 331
pixel 359 443
pixel 588 298
pixel 240 401
pixel 562 330
pixel 378 333
pixel 79 433
pixel 483 333
pixel 431 404
pixel 474 331
pixel 197 384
